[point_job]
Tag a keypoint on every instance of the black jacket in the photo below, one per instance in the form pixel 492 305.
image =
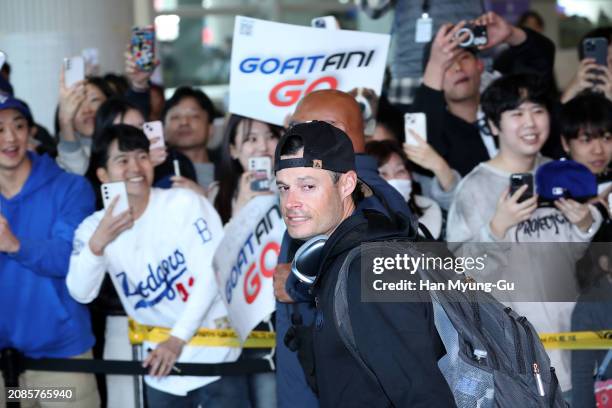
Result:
pixel 458 141
pixel 397 340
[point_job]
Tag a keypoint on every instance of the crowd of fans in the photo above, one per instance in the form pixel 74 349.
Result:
pixel 57 242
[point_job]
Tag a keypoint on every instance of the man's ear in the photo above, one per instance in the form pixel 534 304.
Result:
pixel 347 184
pixel 102 175
pixel 493 128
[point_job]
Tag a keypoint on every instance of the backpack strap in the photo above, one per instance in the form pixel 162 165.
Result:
pixel 342 318
pixel 603 367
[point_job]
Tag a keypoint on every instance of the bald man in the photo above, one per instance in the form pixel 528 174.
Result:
pixel 294 305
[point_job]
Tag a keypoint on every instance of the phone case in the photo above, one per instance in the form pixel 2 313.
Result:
pixel 596 48
pixel 262 167
pixel 417 123
pixel 112 190
pixel 143 47
pixel 155 133
pixel 74 70
pixel 517 180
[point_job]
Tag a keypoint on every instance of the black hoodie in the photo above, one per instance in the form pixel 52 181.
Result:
pixel 398 341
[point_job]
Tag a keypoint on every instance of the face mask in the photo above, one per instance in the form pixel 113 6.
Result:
pixel 306 260
pixel 403 186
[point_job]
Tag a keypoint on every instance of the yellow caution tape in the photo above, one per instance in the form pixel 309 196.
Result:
pixel 587 340
pixel 138 333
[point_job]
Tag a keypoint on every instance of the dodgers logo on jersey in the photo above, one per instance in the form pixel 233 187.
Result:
pixel 159 283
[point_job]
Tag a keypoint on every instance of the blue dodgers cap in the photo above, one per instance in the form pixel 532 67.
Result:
pixel 8 102
pixel 565 179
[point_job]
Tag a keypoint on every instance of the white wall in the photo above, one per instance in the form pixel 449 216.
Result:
pixel 37 34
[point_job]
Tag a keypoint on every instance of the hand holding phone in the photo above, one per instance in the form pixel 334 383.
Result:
pixel 417 123
pixel 596 49
pixel 155 133
pixel 74 70
pixel 112 190
pixel 517 180
pixel 261 167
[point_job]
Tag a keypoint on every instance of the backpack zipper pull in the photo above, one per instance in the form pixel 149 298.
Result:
pixel 538 378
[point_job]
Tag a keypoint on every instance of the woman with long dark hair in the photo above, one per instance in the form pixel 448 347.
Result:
pixel 243 139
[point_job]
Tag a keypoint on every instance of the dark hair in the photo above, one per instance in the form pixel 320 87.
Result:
pixel 152 89
pixel 109 111
pixel 6 68
pixel 391 118
pixel 381 151
pixel 530 14
pixel 228 170
pixel 588 111
pixel 605 32
pixel 117 83
pixel 187 92
pixel 101 84
pixel 509 92
pixel 129 138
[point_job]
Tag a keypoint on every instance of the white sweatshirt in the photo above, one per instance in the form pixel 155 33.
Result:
pixel 552 265
pixel 162 271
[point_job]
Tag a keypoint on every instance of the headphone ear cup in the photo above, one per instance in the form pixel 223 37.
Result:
pixel 305 265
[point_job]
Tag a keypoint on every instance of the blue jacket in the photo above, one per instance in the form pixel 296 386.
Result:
pixel 38 315
pixel 291 387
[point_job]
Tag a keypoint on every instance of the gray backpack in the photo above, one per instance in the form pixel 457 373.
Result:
pixel 494 357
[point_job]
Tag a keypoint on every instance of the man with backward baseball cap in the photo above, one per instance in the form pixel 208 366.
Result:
pixel 319 190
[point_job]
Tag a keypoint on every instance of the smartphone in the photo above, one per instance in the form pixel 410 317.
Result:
pixel 262 167
pixel 142 46
pixel 112 190
pixel 596 48
pixel 74 70
pixel 418 124
pixel 517 180
pixel 328 22
pixel 155 133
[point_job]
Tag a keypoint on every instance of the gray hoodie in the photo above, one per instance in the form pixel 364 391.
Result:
pixel 468 222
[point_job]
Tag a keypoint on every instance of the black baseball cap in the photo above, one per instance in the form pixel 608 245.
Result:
pixel 325 147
